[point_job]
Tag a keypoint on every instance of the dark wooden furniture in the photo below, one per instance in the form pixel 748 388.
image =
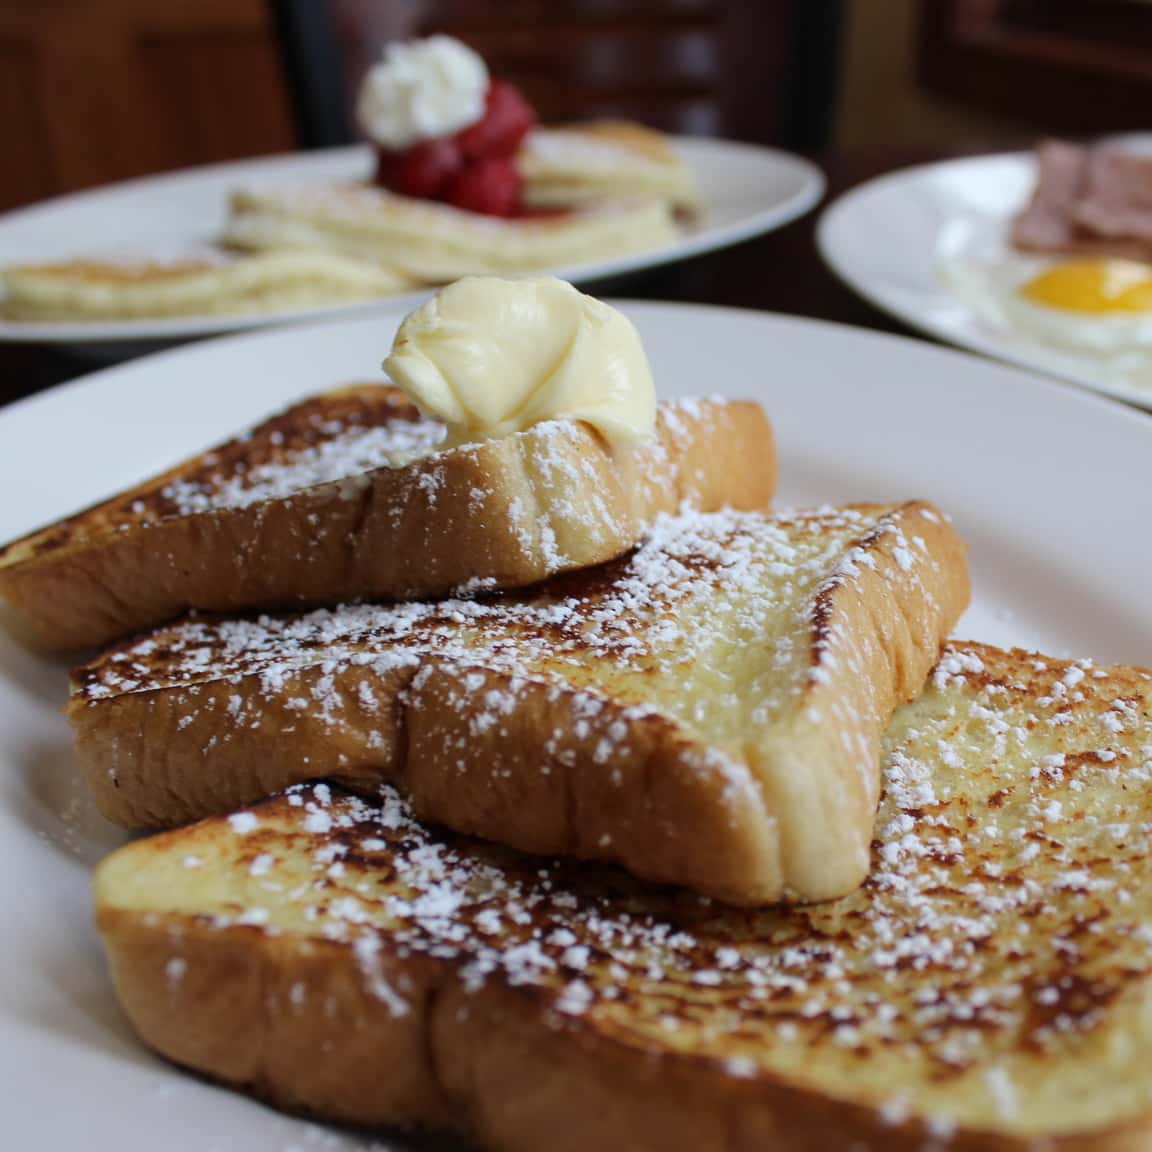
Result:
pixel 98 90
pixel 760 70
pixel 1066 66
pixel 93 91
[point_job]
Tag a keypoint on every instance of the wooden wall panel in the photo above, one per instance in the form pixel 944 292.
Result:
pixel 27 171
pixel 93 91
pixel 217 93
pixel 1063 65
pixel 695 66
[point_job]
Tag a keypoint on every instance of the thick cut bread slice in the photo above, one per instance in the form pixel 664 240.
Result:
pixel 437 242
pixel 706 712
pixel 987 989
pixel 344 497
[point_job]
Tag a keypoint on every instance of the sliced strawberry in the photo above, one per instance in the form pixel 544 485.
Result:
pixel 507 119
pixel 491 187
pixel 423 171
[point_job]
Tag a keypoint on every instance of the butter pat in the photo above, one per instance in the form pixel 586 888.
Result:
pixel 491 357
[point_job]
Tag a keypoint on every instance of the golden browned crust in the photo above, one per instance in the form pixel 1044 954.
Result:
pixel 876 635
pixel 505 513
pixel 569 758
pixel 493 1064
pixel 985 990
pixel 233 1014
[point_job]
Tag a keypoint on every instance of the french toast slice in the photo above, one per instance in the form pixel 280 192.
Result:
pixel 346 497
pixel 986 989
pixel 705 712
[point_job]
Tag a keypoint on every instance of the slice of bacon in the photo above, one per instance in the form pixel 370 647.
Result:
pixel 1117 197
pixel 1046 224
pixel 1091 201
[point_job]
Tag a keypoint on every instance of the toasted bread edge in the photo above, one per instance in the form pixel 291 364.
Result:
pixel 293 1022
pixel 876 638
pixel 413 531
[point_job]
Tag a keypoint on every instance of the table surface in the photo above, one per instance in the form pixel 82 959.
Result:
pixel 779 272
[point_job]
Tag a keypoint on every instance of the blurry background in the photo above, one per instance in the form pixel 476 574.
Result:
pixel 100 90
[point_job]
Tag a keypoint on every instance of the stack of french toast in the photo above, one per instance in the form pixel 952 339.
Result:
pixel 523 775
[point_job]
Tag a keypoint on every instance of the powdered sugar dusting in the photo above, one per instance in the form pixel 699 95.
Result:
pixel 966 956
pixel 344 452
pixel 697 597
pixel 342 437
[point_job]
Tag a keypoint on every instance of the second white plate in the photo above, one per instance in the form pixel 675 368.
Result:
pixel 745 190
pixel 885 239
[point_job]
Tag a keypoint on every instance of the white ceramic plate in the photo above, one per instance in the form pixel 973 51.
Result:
pixel 887 240
pixel 746 190
pixel 1048 484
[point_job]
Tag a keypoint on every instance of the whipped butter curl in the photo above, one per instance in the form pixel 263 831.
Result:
pixel 491 357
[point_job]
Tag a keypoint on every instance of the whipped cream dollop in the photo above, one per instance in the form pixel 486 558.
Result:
pixel 422 90
pixel 491 357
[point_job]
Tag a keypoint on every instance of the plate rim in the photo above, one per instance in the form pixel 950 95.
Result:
pixel 813 186
pixel 949 350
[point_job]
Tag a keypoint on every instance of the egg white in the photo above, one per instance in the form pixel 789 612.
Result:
pixel 990 282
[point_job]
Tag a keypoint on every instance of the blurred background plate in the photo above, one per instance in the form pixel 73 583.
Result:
pixel 892 238
pixel 746 190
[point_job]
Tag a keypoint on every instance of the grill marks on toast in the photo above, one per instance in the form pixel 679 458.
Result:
pixel 990 975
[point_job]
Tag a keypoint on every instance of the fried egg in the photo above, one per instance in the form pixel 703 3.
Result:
pixel 1090 305
pixel 1100 306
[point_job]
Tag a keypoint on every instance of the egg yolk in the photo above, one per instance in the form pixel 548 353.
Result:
pixel 1093 286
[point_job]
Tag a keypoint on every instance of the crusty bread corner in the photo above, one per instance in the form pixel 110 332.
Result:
pixel 797 826
pixel 562 770
pixel 502 513
pixel 876 636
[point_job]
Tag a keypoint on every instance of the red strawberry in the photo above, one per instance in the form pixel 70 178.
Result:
pixel 424 171
pixel 491 187
pixel 507 119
